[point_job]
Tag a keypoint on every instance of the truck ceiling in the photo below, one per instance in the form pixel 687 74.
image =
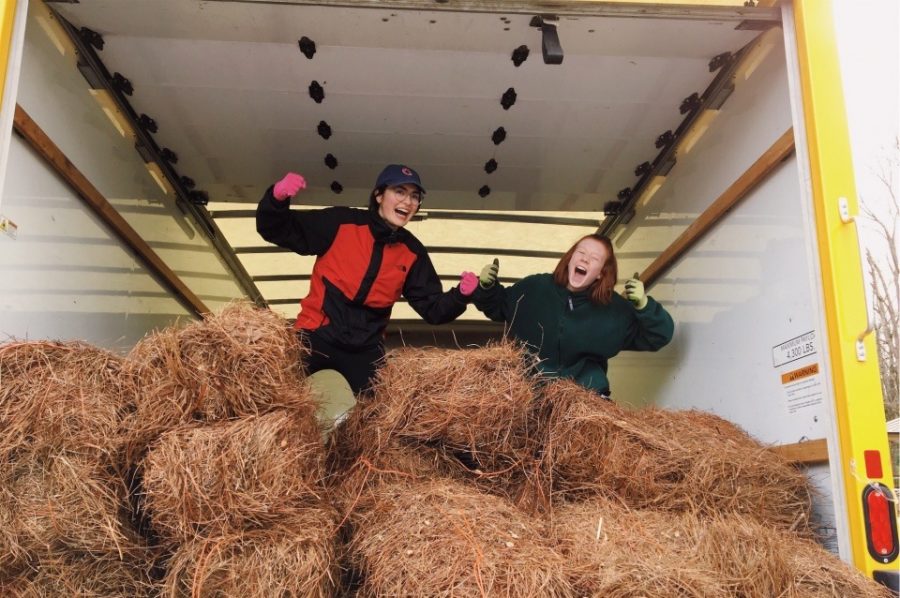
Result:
pixel 233 92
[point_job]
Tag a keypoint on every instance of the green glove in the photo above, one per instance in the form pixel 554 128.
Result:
pixel 634 292
pixel 488 275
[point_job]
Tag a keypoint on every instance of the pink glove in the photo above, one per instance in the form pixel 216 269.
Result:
pixel 467 283
pixel 289 186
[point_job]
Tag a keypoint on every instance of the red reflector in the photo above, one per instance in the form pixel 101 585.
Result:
pixel 873 464
pixel 881 530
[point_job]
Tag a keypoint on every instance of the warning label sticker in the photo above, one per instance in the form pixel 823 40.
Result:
pixel 804 372
pixel 803 387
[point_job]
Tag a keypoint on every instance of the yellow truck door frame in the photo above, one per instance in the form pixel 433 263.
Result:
pixel 7 18
pixel 861 454
pixel 12 35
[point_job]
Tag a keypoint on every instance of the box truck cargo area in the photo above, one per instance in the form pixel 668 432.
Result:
pixel 707 139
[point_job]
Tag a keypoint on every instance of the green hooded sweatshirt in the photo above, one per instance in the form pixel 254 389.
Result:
pixel 573 337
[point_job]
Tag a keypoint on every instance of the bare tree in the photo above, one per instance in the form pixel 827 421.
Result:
pixel 884 273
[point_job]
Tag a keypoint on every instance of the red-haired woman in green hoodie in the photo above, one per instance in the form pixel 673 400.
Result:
pixel 572 319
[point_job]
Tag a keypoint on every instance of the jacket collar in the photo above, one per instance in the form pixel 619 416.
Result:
pixel 577 297
pixel 380 229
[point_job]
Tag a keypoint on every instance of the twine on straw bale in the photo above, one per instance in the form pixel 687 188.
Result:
pixel 216 479
pixel 442 538
pixel 293 558
pixel 82 576
pixel 58 395
pixel 58 501
pixel 358 488
pixel 242 361
pixel 678 461
pixel 353 436
pixel 360 458
pixel 478 401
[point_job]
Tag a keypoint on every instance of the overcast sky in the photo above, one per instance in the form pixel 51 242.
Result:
pixel 868 33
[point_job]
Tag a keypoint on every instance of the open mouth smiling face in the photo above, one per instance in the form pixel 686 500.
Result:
pixel 398 204
pixel 586 264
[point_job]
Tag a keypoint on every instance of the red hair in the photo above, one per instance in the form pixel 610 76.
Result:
pixel 601 289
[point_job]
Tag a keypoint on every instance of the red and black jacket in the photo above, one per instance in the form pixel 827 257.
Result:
pixel 362 269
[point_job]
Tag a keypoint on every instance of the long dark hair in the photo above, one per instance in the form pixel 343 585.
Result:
pixel 601 289
pixel 373 205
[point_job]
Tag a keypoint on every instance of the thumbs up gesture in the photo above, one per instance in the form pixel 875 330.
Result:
pixel 634 292
pixel 488 276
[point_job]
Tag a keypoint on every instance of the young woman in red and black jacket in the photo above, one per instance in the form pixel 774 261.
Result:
pixel 365 261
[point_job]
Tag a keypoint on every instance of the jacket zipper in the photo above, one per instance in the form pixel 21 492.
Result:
pixel 371 272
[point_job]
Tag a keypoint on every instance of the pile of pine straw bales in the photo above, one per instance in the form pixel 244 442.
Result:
pixel 63 531
pixel 195 466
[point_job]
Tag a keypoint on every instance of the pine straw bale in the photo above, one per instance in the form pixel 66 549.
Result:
pixel 734 472
pixel 754 560
pixel 358 446
pixel 58 395
pixel 677 461
pixel 479 401
pixel 295 557
pixel 216 479
pixel 593 446
pixel 361 457
pixel 617 552
pixel 621 552
pixel 527 485
pixel 350 438
pixel 360 462
pixel 84 576
pixel 393 463
pixel 820 574
pixel 61 501
pixel 243 361
pixel 442 538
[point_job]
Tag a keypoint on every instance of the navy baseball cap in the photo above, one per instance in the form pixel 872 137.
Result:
pixel 398 174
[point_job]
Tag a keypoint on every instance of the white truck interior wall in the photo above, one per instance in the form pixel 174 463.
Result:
pixel 748 286
pixel 66 275
pixel 745 288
